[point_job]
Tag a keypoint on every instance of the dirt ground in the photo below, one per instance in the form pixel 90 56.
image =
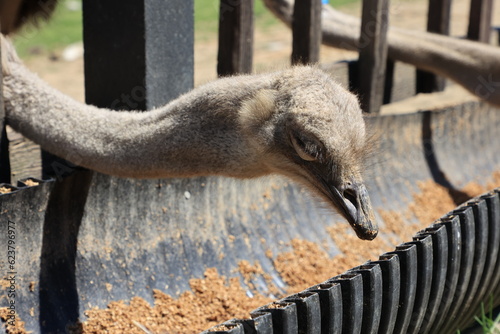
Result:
pixel 272 46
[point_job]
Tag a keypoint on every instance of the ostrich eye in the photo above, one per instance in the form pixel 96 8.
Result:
pixel 307 150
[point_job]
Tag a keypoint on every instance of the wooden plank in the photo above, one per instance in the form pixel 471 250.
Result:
pixel 373 54
pixel 306 31
pixel 480 17
pixel 438 21
pixel 235 37
pixel 4 142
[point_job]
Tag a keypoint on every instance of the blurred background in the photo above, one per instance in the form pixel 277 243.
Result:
pixel 55 50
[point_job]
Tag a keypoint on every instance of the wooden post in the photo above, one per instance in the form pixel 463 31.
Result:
pixel 438 17
pixel 306 30
pixel 480 16
pixel 132 58
pixel 438 21
pixel 373 54
pixel 4 143
pixel 235 37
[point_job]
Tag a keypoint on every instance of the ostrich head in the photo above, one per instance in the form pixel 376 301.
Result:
pixel 310 129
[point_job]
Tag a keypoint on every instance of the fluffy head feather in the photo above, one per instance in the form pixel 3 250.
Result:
pixel 312 130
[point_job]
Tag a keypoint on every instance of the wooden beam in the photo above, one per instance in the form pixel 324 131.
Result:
pixel 373 54
pixel 480 17
pixel 306 31
pixel 235 37
pixel 438 21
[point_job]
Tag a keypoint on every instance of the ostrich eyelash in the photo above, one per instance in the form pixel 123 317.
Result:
pixel 306 149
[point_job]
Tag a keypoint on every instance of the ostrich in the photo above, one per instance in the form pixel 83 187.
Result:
pixel 296 122
pixel 16 13
pixel 474 65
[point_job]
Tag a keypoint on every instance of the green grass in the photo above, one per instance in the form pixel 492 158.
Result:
pixel 206 13
pixel 64 28
pixel 489 324
pixel 66 25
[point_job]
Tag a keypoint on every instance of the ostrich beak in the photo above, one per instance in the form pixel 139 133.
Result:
pixel 356 207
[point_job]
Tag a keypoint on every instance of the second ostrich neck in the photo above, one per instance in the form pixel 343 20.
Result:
pixel 196 134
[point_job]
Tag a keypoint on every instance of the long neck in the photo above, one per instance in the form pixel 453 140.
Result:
pixel 196 134
pixel 475 66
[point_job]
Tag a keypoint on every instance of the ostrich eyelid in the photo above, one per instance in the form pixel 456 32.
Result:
pixel 301 148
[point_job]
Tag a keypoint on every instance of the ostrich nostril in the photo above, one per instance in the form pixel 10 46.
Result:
pixel 350 195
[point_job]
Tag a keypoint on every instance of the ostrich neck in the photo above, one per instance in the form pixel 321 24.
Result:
pixel 196 134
